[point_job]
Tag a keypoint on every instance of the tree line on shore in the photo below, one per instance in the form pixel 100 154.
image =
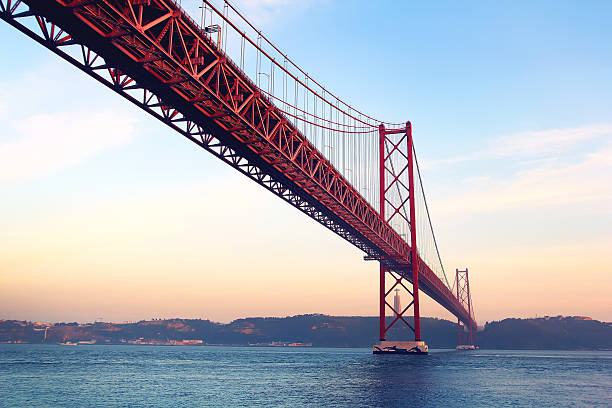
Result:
pixel 563 333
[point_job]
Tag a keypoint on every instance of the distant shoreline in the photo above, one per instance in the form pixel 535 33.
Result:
pixel 577 333
pixel 316 330
pixel 295 347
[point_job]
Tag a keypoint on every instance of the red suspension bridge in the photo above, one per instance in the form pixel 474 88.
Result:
pixel 223 85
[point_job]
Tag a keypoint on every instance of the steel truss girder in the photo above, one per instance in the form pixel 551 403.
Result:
pixel 277 141
pixel 462 282
pixel 152 104
pixel 171 67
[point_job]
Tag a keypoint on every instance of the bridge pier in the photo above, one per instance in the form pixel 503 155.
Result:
pixel 400 347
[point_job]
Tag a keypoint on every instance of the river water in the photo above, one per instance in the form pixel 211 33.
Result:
pixel 158 376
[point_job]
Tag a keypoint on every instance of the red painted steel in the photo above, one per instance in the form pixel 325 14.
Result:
pixel 403 149
pixel 413 239
pixel 382 319
pixel 458 320
pixel 383 270
pixel 183 79
pixel 465 297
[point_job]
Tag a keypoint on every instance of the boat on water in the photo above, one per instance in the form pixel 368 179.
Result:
pixel 467 347
pixel 68 343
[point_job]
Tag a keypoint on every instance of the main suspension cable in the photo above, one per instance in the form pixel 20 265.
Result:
pixel 428 216
pixel 287 59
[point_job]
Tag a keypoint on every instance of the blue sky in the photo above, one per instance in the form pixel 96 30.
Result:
pixel 511 104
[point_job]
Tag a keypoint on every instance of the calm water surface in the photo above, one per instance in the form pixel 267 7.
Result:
pixel 152 376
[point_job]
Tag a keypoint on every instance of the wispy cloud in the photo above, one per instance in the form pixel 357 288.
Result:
pixel 546 142
pixel 530 145
pixel 547 184
pixel 54 129
pixel 46 143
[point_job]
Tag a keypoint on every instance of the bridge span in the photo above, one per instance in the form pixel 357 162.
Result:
pixel 225 86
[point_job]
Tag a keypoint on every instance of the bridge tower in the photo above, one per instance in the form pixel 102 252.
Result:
pixel 464 296
pixel 396 162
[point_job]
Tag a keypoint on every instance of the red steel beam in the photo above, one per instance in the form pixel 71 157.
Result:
pixel 413 239
pixel 157 43
pixel 382 329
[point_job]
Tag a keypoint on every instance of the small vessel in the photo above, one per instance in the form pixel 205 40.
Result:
pixel 68 343
pixel 467 347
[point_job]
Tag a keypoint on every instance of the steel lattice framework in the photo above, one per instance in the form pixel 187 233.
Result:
pixel 464 295
pixel 396 160
pixel 154 55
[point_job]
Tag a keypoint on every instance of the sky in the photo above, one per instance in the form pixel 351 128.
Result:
pixel 106 213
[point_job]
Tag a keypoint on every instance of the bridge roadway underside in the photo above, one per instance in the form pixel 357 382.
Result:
pixel 210 133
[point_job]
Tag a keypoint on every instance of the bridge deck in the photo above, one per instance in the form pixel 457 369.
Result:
pixel 152 53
